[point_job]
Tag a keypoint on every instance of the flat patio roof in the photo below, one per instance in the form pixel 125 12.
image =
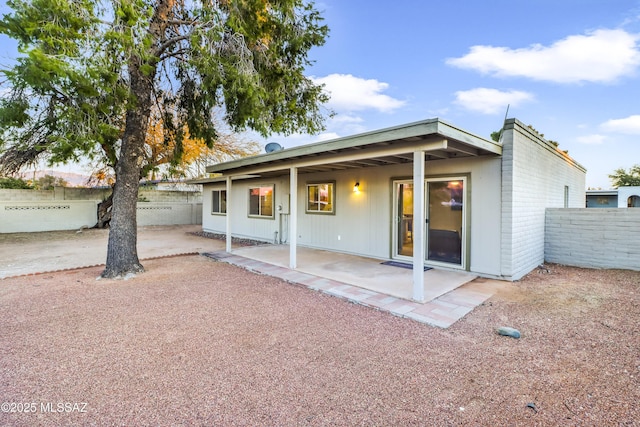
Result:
pixel 395 145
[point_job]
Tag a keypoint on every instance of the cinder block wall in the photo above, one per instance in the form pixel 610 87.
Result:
pixel 19 217
pixel 595 238
pixel 73 208
pixel 534 175
pixel 99 194
pixel 157 213
pixel 7 195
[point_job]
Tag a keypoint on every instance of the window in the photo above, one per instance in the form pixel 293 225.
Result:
pixel 219 202
pixel 566 196
pixel 261 201
pixel 320 198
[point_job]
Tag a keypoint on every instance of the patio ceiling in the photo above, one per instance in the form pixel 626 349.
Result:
pixel 390 146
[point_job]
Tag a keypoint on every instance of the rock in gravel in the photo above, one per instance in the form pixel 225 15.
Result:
pixel 509 332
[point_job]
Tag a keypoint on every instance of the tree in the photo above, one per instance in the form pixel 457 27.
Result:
pixel 164 157
pixel 14 183
pixel 91 71
pixel 622 178
pixel 47 182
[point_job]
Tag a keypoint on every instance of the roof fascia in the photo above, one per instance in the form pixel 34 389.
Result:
pixel 341 158
pixel 411 130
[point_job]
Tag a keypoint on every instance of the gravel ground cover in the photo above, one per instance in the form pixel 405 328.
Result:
pixel 197 342
pixel 237 241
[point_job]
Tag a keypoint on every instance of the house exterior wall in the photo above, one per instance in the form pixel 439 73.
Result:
pixel 362 223
pixel 594 238
pixel 242 225
pixel 535 176
pixel 602 201
pixel 624 193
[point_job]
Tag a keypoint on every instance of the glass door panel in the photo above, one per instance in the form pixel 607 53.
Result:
pixel 445 214
pixel 403 213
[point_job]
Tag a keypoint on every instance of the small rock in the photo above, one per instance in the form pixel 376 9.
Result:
pixel 509 332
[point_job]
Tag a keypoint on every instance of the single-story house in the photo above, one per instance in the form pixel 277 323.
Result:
pixel 426 193
pixel 622 197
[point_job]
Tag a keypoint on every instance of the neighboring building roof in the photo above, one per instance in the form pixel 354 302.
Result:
pixel 393 145
pixel 602 192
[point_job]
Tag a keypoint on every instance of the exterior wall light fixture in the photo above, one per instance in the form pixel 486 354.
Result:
pixel 356 187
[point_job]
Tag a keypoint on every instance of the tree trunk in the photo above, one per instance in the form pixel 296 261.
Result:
pixel 122 252
pixel 104 211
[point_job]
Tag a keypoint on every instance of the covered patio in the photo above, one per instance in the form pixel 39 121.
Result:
pixel 408 148
pixel 449 295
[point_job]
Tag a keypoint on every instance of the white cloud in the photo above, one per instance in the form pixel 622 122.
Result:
pixel 490 101
pixel 599 56
pixel 629 125
pixel 350 93
pixel 326 136
pixel 594 139
pixel 346 119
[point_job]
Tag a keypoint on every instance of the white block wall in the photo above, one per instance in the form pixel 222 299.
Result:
pixel 155 213
pixel 77 193
pixel 534 176
pixel 17 217
pixel 596 238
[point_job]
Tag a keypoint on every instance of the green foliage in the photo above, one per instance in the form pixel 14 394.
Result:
pixel 91 72
pixel 495 136
pixel 47 182
pixel 14 183
pixel 623 178
pixel 69 93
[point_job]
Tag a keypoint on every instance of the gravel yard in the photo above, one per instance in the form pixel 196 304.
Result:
pixel 197 342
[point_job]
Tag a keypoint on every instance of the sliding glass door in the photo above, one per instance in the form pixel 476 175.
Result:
pixel 446 220
pixel 403 219
pixel 446 224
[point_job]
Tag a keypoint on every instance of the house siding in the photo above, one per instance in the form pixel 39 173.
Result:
pixel 362 223
pixel 242 225
pixel 534 176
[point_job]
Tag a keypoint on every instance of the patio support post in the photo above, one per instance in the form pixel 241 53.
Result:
pixel 293 217
pixel 419 225
pixel 228 214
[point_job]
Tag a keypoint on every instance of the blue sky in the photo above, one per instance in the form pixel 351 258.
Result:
pixel 569 68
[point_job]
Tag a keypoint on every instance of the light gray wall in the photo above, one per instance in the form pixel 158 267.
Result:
pixel 30 216
pixel 534 176
pixel 600 238
pixel 74 193
pixel 237 205
pixel 158 213
pixel 18 217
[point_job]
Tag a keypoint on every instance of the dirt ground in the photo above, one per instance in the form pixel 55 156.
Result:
pixel 28 253
pixel 197 342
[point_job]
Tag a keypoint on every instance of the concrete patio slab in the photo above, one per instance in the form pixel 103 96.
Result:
pixel 365 281
pixel 363 272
